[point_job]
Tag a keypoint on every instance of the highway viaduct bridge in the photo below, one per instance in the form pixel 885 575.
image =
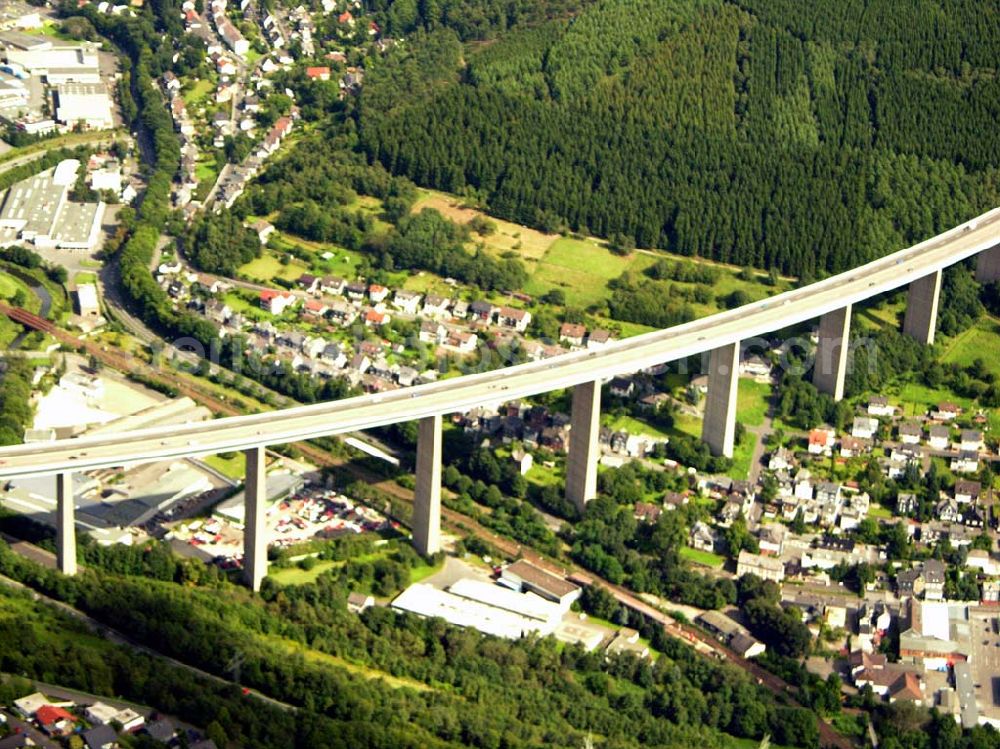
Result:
pixel 831 299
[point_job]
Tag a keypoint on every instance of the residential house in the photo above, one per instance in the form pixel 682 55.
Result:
pixel 755 366
pixel 318 73
pixel 852 447
pixel 621 387
pixel 971 440
pixel 781 459
pixel 523 460
pixel 462 341
pixel 880 406
pixel 432 332
pixel 909 583
pixel 55 721
pixel 933 573
pixel 276 302
pixel 101 737
pixel 332 285
pixel 460 309
pixel 703 537
pixel 483 310
pixel 217 312
pixel 374 318
pixel 308 283
pixel 341 312
pixel 771 539
pixel 948 511
pixel 356 291
pixel 910 433
pixel 599 338
pixel 360 363
pixel 572 333
pixel 907 503
pixel 763 567
pixel 939 437
pixel 406 302
pixel 511 317
pixel 315 307
pixel 334 354
pixel 967 491
pixel 821 440
pixel 946 412
pixel 966 462
pixel 647 513
pixel 377 293
pixel 864 428
pixel 435 306
pixel 358 602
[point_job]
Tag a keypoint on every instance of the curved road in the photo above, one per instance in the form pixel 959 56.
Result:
pixel 567 370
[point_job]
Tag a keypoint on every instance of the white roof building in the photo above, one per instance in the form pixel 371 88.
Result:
pixel 62 63
pixel 87 103
pixel 425 600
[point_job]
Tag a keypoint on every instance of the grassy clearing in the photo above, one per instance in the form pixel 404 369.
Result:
pixel 423 571
pixel 582 269
pixel 530 244
pixel 8 331
pixel 232 465
pixel 885 315
pixel 341 262
pixel 197 93
pixel 205 171
pixel 299 576
pixel 981 341
pixel 84 277
pixel 315 656
pixel 636 426
pixel 915 398
pixel 50 29
pixel 704 558
pixel 742 457
pixel 877 511
pixel 267 267
pixel 751 402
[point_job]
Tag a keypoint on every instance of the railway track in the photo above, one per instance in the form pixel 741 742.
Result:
pixel 456 520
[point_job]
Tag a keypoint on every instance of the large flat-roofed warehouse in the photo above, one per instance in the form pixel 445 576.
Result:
pixel 38 210
pixel 63 63
pixel 86 103
pixel 426 600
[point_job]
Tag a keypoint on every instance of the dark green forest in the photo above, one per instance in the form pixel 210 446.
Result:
pixel 798 136
pixel 479 691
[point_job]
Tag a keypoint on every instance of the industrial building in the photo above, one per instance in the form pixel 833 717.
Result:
pixel 57 63
pixel 426 600
pixel 38 211
pixel 86 104
pixel 524 576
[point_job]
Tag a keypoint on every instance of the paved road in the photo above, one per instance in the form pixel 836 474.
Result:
pixel 520 381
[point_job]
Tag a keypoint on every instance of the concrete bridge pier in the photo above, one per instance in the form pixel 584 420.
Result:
pixel 830 368
pixel 988 265
pixel 427 498
pixel 65 524
pixel 718 429
pixel 255 519
pixel 920 321
pixel 584 452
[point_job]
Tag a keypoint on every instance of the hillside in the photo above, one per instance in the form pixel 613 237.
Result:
pixel 797 136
